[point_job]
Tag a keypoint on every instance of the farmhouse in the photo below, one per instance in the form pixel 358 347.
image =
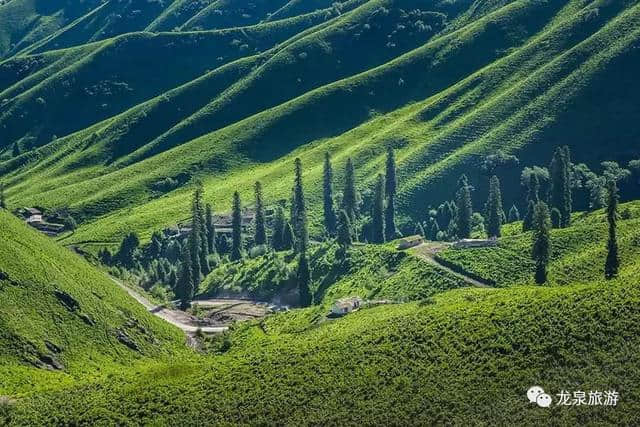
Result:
pixel 345 306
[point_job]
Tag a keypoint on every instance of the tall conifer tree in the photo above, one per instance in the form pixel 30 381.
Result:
pixel 464 208
pixel 560 193
pixel 344 230
pixel 349 195
pixel 260 237
pixel 236 228
pixel 377 213
pixel 330 220
pixel 211 229
pixel 304 280
pixel 541 250
pixel 300 227
pixel 279 221
pixel 612 263
pixel 495 212
pixel 184 285
pixel 391 184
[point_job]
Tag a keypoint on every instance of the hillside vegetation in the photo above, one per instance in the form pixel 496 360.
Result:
pixel 464 356
pixel 60 314
pixel 444 83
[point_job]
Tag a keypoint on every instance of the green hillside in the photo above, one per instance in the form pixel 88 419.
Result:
pixel 465 356
pixel 58 314
pixel 445 85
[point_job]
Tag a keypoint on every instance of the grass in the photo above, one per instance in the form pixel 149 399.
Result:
pixel 53 304
pixel 521 91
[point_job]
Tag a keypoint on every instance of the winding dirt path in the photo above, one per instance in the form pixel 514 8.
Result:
pixel 177 318
pixel 427 253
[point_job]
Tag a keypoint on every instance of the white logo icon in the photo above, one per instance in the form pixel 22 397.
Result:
pixel 537 395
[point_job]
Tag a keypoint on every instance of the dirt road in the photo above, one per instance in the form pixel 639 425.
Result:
pixel 427 253
pixel 180 319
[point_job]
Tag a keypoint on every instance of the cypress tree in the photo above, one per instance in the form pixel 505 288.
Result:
pixel 419 230
pixel 344 230
pixel 349 195
pixel 495 212
pixel 277 238
pixel 541 250
pixel 260 237
pixel 205 268
pixel 184 286
pixel 211 229
pixel 390 189
pixel 127 250
pixel 304 280
pixel 464 208
pixel 300 226
pixel 288 237
pixel 236 226
pixel 195 237
pixel 173 279
pixel 560 193
pixel 556 218
pixel 527 223
pixel 377 213
pixel 3 202
pixel 514 214
pixel 330 220
pixel 612 263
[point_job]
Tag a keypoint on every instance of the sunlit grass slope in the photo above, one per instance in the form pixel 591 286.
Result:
pixel 58 312
pixel 465 356
pixel 474 87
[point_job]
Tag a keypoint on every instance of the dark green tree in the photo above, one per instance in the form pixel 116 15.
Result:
pixel 612 263
pixel 184 286
pixel 560 192
pixel 514 214
pixel 300 226
pixel 288 237
pixel 330 220
pixel 349 195
pixel 464 208
pixel 534 189
pixel 344 230
pixel 541 250
pixel 277 238
pixel 419 230
pixel 377 213
pixel 3 201
pixel 260 237
pixel 236 228
pixel 303 277
pixel 195 236
pixel 390 189
pixel 128 247
pixel 556 218
pixel 173 279
pixel 527 222
pixel 435 229
pixel 211 229
pixel 495 212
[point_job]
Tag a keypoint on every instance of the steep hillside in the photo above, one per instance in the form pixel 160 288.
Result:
pixel 59 313
pixel 466 356
pixel 519 76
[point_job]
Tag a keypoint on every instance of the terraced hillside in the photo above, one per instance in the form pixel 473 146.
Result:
pixel 62 319
pixel 445 83
pixel 463 356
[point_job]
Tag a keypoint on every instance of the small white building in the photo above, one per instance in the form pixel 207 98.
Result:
pixel 345 306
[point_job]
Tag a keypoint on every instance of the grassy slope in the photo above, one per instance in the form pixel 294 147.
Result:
pixel 573 251
pixel 488 87
pixel 33 268
pixel 467 357
pixel 371 272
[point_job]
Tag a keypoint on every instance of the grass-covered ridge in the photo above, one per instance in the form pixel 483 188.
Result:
pixel 485 87
pixel 59 312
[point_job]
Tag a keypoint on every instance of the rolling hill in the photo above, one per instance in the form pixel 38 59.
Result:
pixel 445 83
pixel 62 319
pixel 462 356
